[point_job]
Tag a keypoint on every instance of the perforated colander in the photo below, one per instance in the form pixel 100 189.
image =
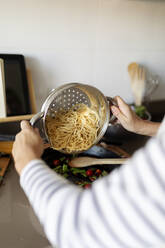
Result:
pixel 69 95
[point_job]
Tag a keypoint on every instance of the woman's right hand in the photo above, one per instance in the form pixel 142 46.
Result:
pixel 125 115
pixel 130 121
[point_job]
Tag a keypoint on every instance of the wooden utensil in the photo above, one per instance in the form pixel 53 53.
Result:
pixel 7 146
pixel 4 162
pixel 131 69
pixel 89 161
pixel 138 76
pixel 116 149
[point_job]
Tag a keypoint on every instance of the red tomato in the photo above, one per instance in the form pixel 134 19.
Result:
pixel 87 186
pixel 89 172
pixel 56 162
pixel 98 172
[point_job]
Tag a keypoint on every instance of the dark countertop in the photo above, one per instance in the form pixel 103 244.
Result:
pixel 157 109
pixel 18 224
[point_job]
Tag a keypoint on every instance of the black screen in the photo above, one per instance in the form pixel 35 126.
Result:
pixel 17 96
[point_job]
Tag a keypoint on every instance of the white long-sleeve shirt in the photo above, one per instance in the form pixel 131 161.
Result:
pixel 125 209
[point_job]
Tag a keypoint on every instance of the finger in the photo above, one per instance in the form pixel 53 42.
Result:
pixel 25 125
pixel 116 111
pixel 123 106
pixel 115 98
pixel 120 100
pixel 36 130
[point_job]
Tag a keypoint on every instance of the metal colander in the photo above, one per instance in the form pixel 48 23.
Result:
pixel 69 95
pixel 68 98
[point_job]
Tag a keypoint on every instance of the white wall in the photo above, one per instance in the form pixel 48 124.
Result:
pixel 90 41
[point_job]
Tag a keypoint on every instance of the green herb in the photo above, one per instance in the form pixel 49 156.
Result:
pixel 65 175
pixel 62 159
pixel 65 168
pixel 140 111
pixel 104 173
pixel 58 169
pixel 76 171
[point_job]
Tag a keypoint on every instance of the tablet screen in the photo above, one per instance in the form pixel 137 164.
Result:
pixel 17 95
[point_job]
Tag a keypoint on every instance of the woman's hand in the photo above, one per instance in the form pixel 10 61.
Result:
pixel 28 145
pixel 130 121
pixel 125 115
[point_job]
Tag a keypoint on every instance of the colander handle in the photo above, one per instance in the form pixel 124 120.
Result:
pixel 36 118
pixel 111 102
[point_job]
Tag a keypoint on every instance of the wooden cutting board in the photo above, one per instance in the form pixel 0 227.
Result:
pixel 4 162
pixel 6 146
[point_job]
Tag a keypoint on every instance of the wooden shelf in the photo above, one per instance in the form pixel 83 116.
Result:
pixel 16 118
pixel 31 92
pixel 6 146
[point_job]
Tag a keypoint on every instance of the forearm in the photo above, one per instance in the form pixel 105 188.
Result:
pixel 148 128
pixel 131 121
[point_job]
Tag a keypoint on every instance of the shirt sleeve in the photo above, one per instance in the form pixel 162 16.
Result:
pixel 125 209
pixel 161 129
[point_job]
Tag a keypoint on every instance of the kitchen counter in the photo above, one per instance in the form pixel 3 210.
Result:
pixel 18 224
pixel 19 227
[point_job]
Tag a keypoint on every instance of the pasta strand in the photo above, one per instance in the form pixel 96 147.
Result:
pixel 73 130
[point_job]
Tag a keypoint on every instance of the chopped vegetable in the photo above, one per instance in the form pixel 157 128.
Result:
pixel 83 177
pixel 89 172
pixel 141 111
pixel 56 162
pixel 65 175
pixel 65 168
pixel 87 186
pixel 104 173
pixel 93 178
pixel 62 159
pixel 77 171
pixel 98 172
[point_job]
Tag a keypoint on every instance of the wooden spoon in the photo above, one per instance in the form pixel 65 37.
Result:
pixel 132 69
pixel 137 76
pixel 88 161
pixel 139 85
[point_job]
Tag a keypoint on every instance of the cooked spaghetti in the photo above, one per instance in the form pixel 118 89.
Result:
pixel 73 130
